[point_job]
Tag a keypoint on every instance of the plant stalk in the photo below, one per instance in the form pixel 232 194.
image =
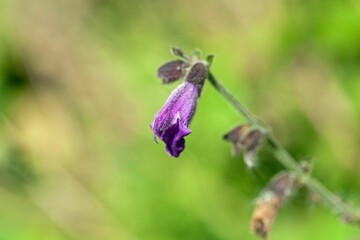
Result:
pixel 349 213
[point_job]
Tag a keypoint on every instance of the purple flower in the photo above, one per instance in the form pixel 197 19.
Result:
pixel 171 123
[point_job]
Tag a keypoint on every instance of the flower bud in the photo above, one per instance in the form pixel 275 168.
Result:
pixel 171 123
pixel 178 52
pixel 197 74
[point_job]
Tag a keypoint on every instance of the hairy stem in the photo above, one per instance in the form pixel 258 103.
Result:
pixel 348 212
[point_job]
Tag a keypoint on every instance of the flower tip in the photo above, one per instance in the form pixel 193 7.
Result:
pixel 175 153
pixel 155 140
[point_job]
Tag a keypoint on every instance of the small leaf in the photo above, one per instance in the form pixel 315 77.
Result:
pixel 178 52
pixel 210 59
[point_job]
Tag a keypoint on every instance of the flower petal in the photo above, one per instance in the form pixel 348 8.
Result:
pixel 181 103
pixel 174 138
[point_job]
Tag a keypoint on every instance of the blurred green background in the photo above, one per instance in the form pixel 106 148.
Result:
pixel 78 90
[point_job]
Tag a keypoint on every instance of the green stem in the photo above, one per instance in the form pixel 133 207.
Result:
pixel 351 214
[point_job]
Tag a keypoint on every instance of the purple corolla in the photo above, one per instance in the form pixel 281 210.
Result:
pixel 171 123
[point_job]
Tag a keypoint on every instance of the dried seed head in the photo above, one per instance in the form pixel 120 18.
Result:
pixel 172 71
pixel 253 142
pixel 248 139
pixel 282 185
pixel 253 139
pixel 237 133
pixel 272 198
pixel 237 136
pixel 264 216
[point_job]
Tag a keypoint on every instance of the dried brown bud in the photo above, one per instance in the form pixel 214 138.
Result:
pixel 282 185
pixel 274 195
pixel 264 216
pixel 236 133
pixel 238 137
pixel 246 138
pixel 253 142
pixel 172 71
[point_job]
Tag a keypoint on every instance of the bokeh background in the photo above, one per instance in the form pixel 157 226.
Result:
pixel 78 90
